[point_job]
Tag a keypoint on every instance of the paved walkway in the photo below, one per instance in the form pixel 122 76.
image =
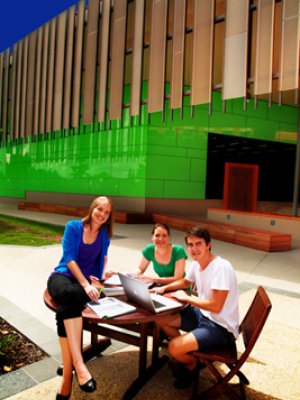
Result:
pixel 24 272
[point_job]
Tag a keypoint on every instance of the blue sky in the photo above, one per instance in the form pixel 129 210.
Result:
pixel 20 17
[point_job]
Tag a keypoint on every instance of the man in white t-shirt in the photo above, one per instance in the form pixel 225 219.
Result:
pixel 211 320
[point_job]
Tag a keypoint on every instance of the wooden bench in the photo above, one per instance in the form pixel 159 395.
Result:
pixel 122 217
pixel 249 237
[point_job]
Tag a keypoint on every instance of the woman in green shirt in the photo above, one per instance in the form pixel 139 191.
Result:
pixel 168 260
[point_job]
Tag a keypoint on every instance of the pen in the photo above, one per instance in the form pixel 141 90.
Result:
pixel 101 290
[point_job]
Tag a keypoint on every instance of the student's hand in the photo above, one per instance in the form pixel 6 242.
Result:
pixel 92 292
pixel 180 295
pixel 109 274
pixel 95 282
pixel 157 290
pixel 145 278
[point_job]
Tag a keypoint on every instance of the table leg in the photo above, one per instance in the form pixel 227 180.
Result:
pixel 145 374
pixel 155 345
pixel 96 347
pixel 143 349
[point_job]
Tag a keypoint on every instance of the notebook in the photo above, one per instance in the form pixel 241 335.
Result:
pixel 137 291
pixel 109 307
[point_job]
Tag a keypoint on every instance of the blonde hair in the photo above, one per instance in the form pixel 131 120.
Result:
pixel 96 202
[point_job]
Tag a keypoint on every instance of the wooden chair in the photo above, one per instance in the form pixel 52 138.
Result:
pixel 250 329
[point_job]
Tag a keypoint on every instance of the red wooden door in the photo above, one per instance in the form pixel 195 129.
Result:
pixel 240 187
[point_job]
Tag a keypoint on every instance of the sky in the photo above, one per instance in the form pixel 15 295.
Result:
pixel 20 17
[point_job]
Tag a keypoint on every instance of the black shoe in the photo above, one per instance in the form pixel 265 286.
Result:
pixel 89 386
pixel 186 378
pixel 179 368
pixel 60 370
pixel 163 337
pixel 61 397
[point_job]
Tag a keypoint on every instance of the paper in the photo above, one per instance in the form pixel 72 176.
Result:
pixel 115 280
pixel 114 291
pixel 109 307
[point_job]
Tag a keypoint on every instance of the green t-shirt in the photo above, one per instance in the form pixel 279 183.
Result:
pixel 165 270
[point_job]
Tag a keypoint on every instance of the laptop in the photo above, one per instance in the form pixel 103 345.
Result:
pixel 138 292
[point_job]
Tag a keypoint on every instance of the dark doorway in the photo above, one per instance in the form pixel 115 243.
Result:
pixel 276 163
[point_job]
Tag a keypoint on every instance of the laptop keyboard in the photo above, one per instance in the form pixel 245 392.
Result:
pixel 157 304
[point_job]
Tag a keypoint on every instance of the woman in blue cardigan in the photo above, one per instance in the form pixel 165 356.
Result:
pixel 71 285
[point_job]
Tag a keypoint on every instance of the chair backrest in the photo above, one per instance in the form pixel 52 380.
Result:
pixel 255 318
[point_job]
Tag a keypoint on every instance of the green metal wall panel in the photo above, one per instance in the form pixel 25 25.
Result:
pixel 184 190
pixel 110 162
pixel 262 129
pixel 282 113
pixel 286 133
pixel 165 159
pixel 195 138
pixel 226 123
pixel 161 136
pixel 167 150
pixel 154 188
pixel 168 168
pixel 260 112
pixel 198 170
pixel 195 153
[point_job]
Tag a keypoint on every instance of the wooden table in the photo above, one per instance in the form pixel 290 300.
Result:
pixel 137 327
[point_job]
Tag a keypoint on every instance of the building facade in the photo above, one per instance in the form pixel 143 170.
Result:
pixel 149 102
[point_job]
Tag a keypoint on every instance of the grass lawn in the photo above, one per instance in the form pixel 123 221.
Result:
pixel 28 233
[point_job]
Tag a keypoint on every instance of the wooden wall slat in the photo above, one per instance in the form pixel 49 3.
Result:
pixel 68 68
pixel 157 59
pixel 50 76
pixel 176 92
pixel 30 84
pixel 37 89
pixel 117 60
pixel 24 87
pixel 5 93
pixel 13 92
pixel 1 86
pixel 42 90
pixel 264 47
pixel 202 53
pixel 289 65
pixel 137 58
pixel 59 71
pixel 104 41
pixel 236 48
pixel 42 118
pixel 18 88
pixel 78 64
pixel 90 62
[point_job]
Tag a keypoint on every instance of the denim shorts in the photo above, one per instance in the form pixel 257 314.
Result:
pixel 208 334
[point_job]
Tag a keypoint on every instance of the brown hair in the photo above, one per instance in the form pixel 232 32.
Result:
pixel 161 225
pixel 109 223
pixel 200 233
